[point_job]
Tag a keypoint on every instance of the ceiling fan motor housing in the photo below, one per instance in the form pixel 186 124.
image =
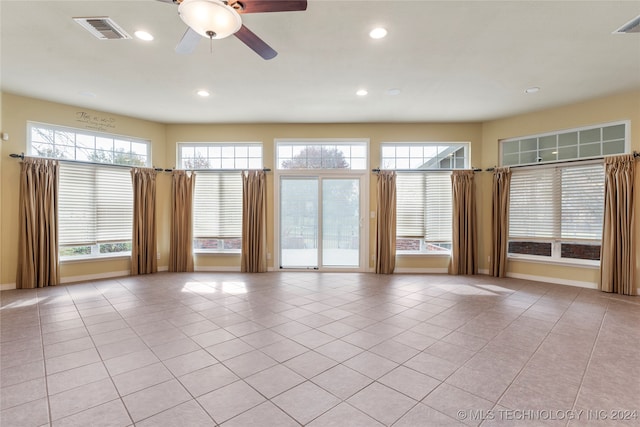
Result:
pixel 210 18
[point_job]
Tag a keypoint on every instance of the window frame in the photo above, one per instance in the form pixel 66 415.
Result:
pixel 322 142
pixel 457 145
pixel 94 249
pixel 235 168
pixel 557 241
pixel 93 134
pixel 557 134
pixel 223 159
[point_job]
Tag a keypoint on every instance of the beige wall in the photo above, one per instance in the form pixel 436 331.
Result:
pixel 16 111
pixel 376 133
pixel 603 110
pixel 484 137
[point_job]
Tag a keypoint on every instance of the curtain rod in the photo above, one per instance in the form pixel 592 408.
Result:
pixel 377 170
pixel 21 157
pixel 80 162
pixel 635 155
pixel 218 170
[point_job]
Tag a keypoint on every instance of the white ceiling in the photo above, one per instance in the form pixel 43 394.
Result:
pixel 451 60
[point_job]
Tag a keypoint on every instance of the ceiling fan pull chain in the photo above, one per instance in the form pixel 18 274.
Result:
pixel 211 35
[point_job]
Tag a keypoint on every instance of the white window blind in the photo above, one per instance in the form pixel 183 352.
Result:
pixel 564 202
pixel 95 205
pixel 532 204
pixel 217 209
pixel 582 202
pixel 423 206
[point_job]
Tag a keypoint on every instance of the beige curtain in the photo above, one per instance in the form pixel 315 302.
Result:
pixel 500 221
pixel 464 252
pixel 618 237
pixel 254 222
pixel 386 226
pixel 181 239
pixel 144 244
pixel 38 236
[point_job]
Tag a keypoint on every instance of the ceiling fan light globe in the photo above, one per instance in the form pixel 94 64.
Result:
pixel 210 16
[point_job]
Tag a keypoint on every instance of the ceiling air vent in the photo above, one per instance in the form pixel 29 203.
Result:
pixel 632 26
pixel 103 28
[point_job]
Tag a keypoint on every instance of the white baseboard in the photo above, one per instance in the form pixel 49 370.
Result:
pixel 484 271
pixel 7 286
pixel 555 280
pixel 422 270
pixel 219 269
pixel 163 268
pixel 87 277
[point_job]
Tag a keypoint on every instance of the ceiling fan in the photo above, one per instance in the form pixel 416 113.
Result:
pixel 217 19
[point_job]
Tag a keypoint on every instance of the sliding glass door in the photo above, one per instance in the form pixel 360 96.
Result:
pixel 320 222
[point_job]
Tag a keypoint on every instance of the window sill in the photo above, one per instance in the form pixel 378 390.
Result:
pixel 423 254
pixel 555 261
pixel 224 253
pixel 126 255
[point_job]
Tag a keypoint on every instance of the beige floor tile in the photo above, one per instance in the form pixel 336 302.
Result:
pixel 305 402
pixel 341 381
pixel 229 401
pixel 382 403
pixel 152 400
pixel 208 379
pixel 265 414
pixel 112 413
pixel 186 414
pixel 275 380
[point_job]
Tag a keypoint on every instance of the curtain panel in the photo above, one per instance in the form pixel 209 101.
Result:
pixel 617 261
pixel 254 222
pixel 181 239
pixel 144 241
pixel 464 252
pixel 386 223
pixel 500 221
pixel 38 236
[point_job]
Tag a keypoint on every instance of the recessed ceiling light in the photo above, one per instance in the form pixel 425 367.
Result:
pixel 378 33
pixel 203 93
pixel 143 35
pixel 362 92
pixel 393 92
pixel 534 89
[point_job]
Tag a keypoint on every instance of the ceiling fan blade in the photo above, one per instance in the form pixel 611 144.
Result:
pixel 258 45
pixel 188 42
pixel 259 6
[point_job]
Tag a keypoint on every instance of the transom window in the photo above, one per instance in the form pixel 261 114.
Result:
pixel 322 155
pixel 220 155
pixel 77 144
pixel 573 144
pixel 431 155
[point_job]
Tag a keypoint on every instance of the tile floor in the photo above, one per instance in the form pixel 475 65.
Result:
pixel 318 349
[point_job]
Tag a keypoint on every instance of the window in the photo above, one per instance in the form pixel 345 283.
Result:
pixel 77 144
pixel 423 212
pixel 557 212
pixel 322 155
pixel 95 211
pixel 217 198
pixel 423 199
pixel 217 212
pixel 425 156
pixel 95 200
pixel 583 143
pixel 220 156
